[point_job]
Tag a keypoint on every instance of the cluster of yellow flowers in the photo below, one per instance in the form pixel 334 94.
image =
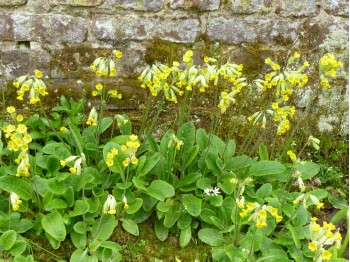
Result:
pixel 260 213
pixel 33 84
pixel 174 81
pixel 175 142
pixel 110 156
pixel 78 160
pixel 110 205
pixel 328 69
pixel 322 236
pixel 130 148
pixel 292 155
pixel 15 201
pixel 92 119
pixel 18 139
pixel 107 67
pixel 303 198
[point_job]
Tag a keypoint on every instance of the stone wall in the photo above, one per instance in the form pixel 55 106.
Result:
pixel 62 38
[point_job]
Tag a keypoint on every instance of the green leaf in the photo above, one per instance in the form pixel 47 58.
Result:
pixel 54 226
pixel 78 240
pixel 105 123
pixel 185 236
pixel 53 242
pixel 161 230
pixel 308 169
pixel 56 187
pixel 238 163
pixel 203 183
pixel 18 248
pixel 130 226
pixel 341 214
pixel 149 164
pixel 8 239
pixel 79 256
pixel 211 236
pixel 103 227
pixel 294 235
pixel 263 153
pixel 55 204
pixel 295 253
pixel 266 167
pixel 18 185
pixel 186 133
pixel 188 180
pixel 210 160
pixel 190 155
pixel 53 164
pixel 111 245
pixel 172 215
pixel 192 204
pixel 184 220
pixel 202 139
pixel 77 137
pixel 160 190
pixel 135 206
pixel 264 190
pixel 206 214
pixel 273 255
pixel 80 207
pixel 301 217
pixel 79 227
pixel 230 150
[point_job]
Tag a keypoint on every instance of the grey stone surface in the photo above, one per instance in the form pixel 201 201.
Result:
pixel 297 8
pixel 133 27
pixel 250 6
pixel 14 63
pixel 144 5
pixel 202 5
pixel 45 28
pixel 336 7
pixel 77 2
pixel 253 30
pixel 12 2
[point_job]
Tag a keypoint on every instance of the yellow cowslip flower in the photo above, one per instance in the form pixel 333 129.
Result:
pixel 124 147
pixel 11 109
pixel 21 129
pixel 99 87
pixel 133 137
pixel 110 205
pixel 261 224
pixel 319 205
pixel 275 67
pixel 15 201
pixel 27 138
pixel 19 118
pixel 275 105
pixel 285 98
pixel 291 155
pixel 94 93
pixel 176 64
pixel 118 54
pixel 329 226
pixel 134 160
pixel 110 155
pixel 234 181
pixel 279 218
pixel 296 55
pixel 114 151
pixel 126 162
pixel 38 73
pixel 316 227
pixel 73 170
pixel 109 162
pixel 326 255
pixel 306 64
pixel 262 213
pixel 63 163
pixel 312 246
pixel 179 144
pixel 244 213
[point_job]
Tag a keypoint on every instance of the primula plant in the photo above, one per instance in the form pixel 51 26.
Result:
pixel 62 178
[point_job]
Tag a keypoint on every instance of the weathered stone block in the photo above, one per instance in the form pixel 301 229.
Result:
pixel 144 5
pixel 250 6
pixel 336 7
pixel 77 2
pixel 19 62
pixel 45 27
pixel 12 2
pixel 253 30
pixel 202 5
pixel 136 27
pixel 297 8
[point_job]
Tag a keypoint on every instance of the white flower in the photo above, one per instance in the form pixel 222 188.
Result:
pixel 207 191
pixel 215 191
pixel 15 201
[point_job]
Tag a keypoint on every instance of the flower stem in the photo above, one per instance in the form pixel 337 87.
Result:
pixel 145 116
